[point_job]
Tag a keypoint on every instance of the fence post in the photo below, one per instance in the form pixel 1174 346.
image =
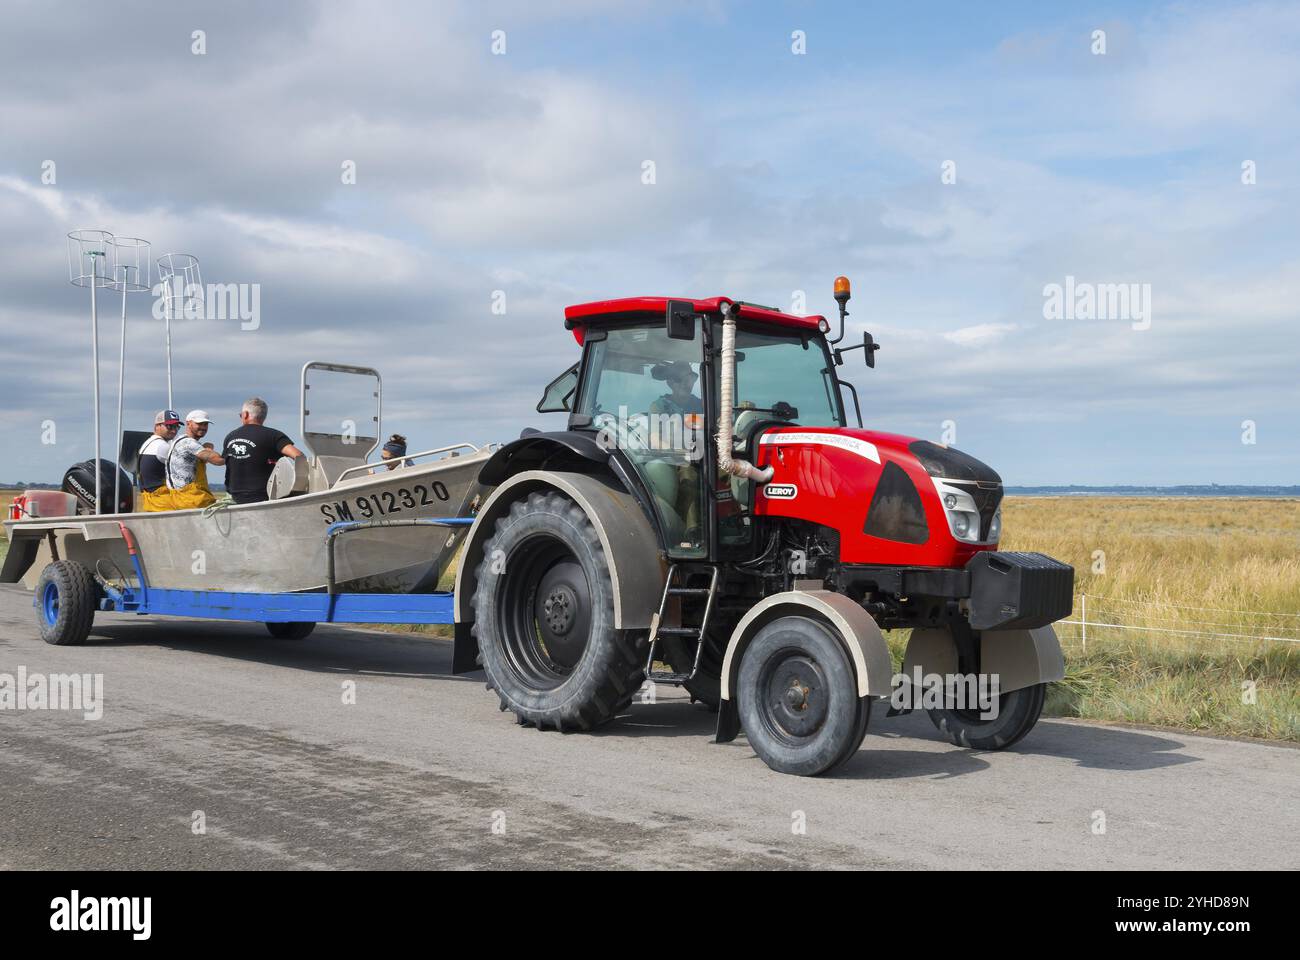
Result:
pixel 1083 616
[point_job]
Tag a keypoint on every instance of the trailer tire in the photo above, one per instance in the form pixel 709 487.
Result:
pixel 1018 711
pixel 800 658
pixel 65 600
pixel 297 630
pixel 544 619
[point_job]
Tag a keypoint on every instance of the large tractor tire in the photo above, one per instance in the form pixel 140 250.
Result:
pixel 65 600
pixel 544 619
pixel 1018 711
pixel 798 698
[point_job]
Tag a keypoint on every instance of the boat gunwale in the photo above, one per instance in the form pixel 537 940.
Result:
pixel 358 483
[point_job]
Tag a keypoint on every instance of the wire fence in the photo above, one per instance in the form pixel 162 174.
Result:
pixel 1157 617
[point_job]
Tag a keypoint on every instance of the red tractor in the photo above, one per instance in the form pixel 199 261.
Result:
pixel 709 519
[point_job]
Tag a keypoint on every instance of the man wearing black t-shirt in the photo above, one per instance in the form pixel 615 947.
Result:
pixel 251 452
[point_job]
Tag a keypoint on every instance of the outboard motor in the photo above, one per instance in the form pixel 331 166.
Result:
pixel 80 482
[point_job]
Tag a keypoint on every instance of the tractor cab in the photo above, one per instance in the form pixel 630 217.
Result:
pixel 649 386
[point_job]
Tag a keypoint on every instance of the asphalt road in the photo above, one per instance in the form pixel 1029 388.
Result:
pixel 423 771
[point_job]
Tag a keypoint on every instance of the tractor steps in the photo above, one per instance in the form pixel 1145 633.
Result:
pixel 694 632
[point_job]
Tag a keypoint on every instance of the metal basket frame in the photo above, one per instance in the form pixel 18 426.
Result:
pixel 95 245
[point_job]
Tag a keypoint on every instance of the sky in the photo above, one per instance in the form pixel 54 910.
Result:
pixel 955 160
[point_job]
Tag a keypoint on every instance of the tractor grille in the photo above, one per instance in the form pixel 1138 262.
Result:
pixel 987 497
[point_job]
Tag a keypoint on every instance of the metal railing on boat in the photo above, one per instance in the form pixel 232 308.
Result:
pixel 372 465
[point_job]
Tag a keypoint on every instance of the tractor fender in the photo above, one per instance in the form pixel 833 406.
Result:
pixel 636 565
pixel 1020 658
pixel 537 449
pixel 862 639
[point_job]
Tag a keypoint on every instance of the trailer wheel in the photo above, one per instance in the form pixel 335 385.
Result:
pixel 798 698
pixel 1018 711
pixel 290 631
pixel 65 601
pixel 544 619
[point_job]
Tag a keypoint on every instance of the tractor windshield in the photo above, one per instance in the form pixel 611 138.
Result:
pixel 785 377
pixel 780 376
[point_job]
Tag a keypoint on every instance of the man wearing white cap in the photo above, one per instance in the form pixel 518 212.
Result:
pixel 187 464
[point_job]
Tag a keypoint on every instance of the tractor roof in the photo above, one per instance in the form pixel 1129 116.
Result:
pixel 631 308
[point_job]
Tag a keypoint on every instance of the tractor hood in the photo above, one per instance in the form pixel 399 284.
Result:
pixel 890 496
pixel 935 459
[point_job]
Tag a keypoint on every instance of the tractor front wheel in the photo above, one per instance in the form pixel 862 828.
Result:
pixel 798 700
pixel 544 619
pixel 1018 711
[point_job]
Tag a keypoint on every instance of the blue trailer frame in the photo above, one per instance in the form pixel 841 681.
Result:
pixel 328 607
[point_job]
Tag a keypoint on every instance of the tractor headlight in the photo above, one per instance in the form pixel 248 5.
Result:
pixel 962 513
pixel 995 528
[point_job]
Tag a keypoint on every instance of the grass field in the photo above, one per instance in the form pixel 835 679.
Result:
pixel 1193 584
pixel 1192 581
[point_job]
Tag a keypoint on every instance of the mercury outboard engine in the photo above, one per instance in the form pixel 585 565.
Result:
pixel 80 481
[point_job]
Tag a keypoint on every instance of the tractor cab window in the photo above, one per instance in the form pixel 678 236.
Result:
pixel 558 395
pixel 641 390
pixel 781 377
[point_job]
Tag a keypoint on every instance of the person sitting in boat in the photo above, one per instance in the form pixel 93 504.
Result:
pixel 251 452
pixel 393 452
pixel 187 464
pixel 152 463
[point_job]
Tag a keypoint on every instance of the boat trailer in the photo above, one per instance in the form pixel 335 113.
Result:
pixel 305 608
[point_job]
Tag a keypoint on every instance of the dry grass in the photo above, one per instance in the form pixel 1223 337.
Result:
pixel 1161 562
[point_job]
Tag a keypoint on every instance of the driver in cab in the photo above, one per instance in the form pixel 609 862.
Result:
pixel 681 380
pixel 676 427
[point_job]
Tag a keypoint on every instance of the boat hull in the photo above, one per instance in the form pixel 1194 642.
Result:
pixel 279 546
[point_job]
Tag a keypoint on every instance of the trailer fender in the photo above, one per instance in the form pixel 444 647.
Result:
pixel 34 543
pixel 856 629
pixel 1020 658
pixel 636 565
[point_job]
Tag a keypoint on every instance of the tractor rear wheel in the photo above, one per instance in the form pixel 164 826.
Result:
pixel 1018 711
pixel 544 619
pixel 65 600
pixel 798 698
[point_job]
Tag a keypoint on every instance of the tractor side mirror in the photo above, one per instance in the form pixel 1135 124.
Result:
pixel 869 348
pixel 680 320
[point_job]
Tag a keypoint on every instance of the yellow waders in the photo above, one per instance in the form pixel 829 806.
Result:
pixel 156 501
pixel 194 494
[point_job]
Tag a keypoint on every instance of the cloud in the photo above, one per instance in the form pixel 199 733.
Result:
pixel 523 173
pixel 981 334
